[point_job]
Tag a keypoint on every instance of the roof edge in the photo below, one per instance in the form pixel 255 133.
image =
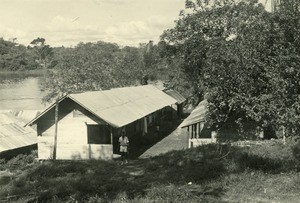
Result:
pixel 45 111
pixel 192 123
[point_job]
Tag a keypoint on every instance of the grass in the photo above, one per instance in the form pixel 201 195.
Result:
pixel 214 173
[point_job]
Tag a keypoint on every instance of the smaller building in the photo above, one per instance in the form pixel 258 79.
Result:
pixel 14 138
pixel 195 123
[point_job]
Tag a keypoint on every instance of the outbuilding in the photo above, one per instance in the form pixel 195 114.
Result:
pixel 88 124
pixel 199 132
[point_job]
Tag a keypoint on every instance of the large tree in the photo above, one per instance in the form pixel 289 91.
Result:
pixel 42 51
pixel 237 54
pixel 284 59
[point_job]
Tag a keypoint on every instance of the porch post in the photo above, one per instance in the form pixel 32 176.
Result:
pixel 55 132
pixel 111 141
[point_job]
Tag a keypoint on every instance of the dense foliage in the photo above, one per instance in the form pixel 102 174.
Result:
pixel 99 66
pixel 86 67
pixel 15 57
pixel 42 52
pixel 243 59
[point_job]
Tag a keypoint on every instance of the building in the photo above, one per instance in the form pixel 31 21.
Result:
pixel 14 138
pixel 179 104
pixel 200 133
pixel 90 123
pixel 195 123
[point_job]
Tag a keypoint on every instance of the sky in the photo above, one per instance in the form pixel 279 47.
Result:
pixel 68 22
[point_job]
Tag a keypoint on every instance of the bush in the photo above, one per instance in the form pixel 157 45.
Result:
pixel 5 179
pixel 19 162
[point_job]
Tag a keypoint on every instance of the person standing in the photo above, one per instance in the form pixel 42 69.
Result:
pixel 124 143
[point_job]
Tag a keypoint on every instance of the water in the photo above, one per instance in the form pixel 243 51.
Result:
pixel 20 92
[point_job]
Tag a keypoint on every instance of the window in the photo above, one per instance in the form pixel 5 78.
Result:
pixel 98 134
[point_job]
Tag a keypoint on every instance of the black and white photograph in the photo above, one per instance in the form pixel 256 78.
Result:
pixel 149 101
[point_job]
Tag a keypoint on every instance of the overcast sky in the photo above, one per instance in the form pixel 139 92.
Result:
pixel 68 22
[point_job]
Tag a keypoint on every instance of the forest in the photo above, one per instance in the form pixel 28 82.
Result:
pixel 243 59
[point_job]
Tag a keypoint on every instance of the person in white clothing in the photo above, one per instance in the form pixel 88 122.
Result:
pixel 124 143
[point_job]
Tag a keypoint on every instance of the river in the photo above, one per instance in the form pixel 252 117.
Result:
pixel 20 92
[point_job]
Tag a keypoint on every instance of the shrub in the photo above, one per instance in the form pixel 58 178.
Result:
pixel 20 161
pixel 5 179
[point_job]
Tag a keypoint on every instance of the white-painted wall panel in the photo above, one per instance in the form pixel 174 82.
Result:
pixel 74 151
pixel 195 142
pixel 104 151
pixel 72 141
pixel 45 147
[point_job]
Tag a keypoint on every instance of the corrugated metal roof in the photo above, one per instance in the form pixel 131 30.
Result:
pixel 121 106
pixel 13 135
pixel 180 99
pixel 197 115
pixel 22 115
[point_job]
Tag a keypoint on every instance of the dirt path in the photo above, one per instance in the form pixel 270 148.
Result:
pixel 177 140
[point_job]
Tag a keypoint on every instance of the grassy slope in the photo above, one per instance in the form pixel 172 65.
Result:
pixel 213 173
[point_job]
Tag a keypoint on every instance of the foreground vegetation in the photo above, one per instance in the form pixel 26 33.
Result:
pixel 212 173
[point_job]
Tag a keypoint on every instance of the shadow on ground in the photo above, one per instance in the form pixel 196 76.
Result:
pixel 140 144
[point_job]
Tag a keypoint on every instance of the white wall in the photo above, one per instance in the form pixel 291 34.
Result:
pixel 195 142
pixel 72 140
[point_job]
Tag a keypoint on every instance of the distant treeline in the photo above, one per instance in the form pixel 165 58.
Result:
pixel 15 57
pixel 87 66
pixel 39 55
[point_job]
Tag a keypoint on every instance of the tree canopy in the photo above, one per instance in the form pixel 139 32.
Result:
pixel 243 59
pixel 43 52
pixel 15 57
pixel 94 66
